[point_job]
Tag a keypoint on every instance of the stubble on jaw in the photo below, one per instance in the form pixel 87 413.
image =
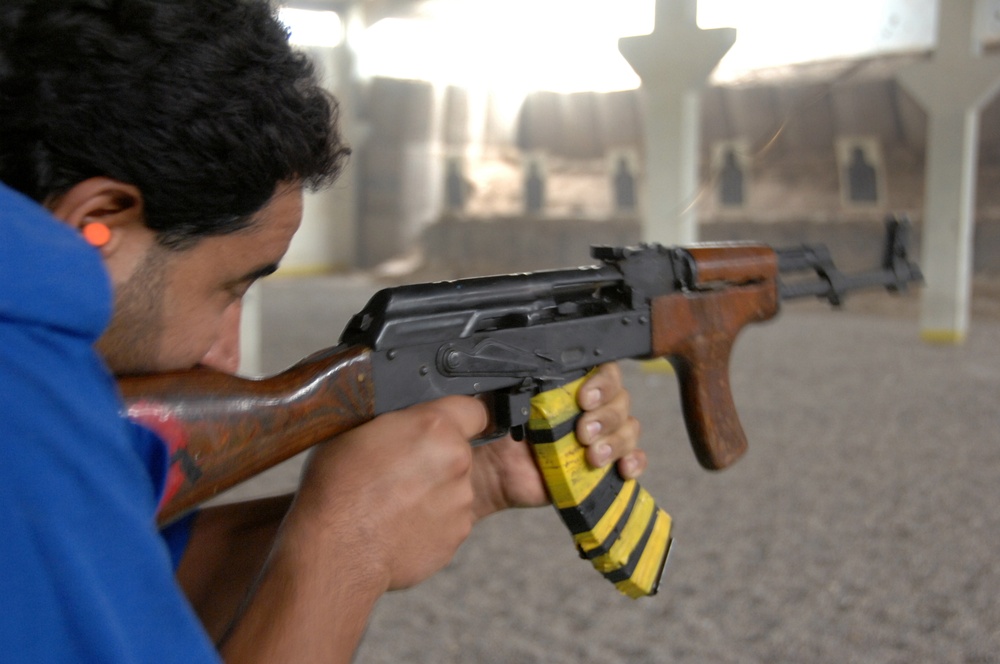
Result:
pixel 131 343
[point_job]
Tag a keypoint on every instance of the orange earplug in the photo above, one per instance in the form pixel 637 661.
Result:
pixel 96 233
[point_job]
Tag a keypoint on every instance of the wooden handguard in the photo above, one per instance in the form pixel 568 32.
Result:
pixel 695 330
pixel 615 523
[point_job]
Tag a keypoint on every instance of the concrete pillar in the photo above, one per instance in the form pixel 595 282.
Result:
pixel 952 87
pixel 251 345
pixel 327 239
pixel 674 63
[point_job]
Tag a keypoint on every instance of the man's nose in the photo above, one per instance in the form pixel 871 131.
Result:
pixel 224 354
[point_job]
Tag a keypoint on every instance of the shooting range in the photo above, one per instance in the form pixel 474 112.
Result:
pixel 861 525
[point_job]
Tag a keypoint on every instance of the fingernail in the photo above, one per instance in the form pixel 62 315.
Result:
pixel 628 467
pixel 602 455
pixel 592 398
pixel 593 428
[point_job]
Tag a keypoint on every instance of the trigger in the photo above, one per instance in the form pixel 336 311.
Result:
pixel 512 409
pixel 509 413
pixel 493 434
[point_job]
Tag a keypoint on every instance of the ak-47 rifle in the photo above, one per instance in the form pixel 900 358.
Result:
pixel 526 341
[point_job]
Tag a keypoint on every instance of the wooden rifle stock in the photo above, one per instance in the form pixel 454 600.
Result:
pixel 222 429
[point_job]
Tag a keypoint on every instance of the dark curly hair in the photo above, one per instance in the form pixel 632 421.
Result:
pixel 201 104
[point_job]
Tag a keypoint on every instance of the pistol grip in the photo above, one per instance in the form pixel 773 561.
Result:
pixel 615 523
pixel 696 332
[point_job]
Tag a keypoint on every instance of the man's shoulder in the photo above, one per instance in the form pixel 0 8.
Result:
pixel 48 275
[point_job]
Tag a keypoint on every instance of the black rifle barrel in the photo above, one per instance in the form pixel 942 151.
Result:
pixel 829 283
pixel 838 286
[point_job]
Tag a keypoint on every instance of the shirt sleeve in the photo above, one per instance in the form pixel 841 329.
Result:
pixel 177 535
pixel 81 556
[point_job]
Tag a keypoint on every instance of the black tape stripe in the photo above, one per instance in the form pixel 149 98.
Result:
pixel 558 432
pixel 582 517
pixel 624 573
pixel 659 572
pixel 609 541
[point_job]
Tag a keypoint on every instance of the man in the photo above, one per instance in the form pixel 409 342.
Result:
pixel 177 137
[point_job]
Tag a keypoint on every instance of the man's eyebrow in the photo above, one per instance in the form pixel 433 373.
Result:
pixel 256 274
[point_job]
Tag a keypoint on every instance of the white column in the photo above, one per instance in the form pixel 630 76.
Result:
pixel 251 323
pixel 674 63
pixel 952 87
pixel 327 239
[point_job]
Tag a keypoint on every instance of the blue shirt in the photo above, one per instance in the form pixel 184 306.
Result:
pixel 85 576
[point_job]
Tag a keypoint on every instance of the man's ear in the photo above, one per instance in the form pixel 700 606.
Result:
pixel 100 200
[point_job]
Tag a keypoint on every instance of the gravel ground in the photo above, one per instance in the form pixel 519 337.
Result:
pixel 861 526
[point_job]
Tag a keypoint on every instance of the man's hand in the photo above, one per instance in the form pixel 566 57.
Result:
pixel 399 487
pixel 505 474
pixel 381 507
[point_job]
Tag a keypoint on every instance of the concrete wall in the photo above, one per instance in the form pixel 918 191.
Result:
pixel 792 130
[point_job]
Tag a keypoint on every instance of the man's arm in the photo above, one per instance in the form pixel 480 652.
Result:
pixel 224 556
pixel 369 517
pixel 261 573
